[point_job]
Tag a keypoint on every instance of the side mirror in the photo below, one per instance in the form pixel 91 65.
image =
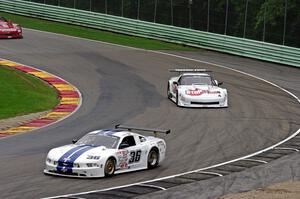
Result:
pixel 74 141
pixel 218 83
pixel 175 83
pixel 123 145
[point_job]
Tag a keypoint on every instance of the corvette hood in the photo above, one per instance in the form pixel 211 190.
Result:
pixel 5 25
pixel 198 90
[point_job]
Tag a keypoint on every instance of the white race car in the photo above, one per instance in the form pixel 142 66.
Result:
pixel 107 152
pixel 196 88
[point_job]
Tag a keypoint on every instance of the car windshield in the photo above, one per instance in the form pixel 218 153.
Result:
pixel 3 19
pixel 195 79
pixel 108 141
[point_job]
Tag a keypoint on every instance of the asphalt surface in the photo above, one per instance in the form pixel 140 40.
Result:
pixel 128 86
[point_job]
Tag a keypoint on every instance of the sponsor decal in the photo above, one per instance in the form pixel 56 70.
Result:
pixel 197 92
pixel 123 158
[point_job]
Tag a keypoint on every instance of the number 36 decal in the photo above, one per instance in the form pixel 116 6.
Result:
pixel 135 156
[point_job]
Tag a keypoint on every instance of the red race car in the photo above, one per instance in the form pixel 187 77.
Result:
pixel 9 30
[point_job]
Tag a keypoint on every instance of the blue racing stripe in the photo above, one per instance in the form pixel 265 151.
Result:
pixel 68 153
pixel 108 132
pixel 64 157
pixel 69 163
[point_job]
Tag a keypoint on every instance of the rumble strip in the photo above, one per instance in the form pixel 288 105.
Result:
pixel 69 100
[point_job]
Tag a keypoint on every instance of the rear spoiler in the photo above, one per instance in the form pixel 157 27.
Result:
pixel 192 70
pixel 130 128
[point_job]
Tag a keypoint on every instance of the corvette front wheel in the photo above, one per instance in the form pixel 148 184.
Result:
pixel 168 92
pixel 177 103
pixel 109 168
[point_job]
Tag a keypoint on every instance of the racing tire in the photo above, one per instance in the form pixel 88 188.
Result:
pixel 153 158
pixel 177 103
pixel 110 167
pixel 168 92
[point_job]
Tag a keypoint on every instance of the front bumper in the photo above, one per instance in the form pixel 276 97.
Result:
pixel 86 172
pixel 11 35
pixel 217 102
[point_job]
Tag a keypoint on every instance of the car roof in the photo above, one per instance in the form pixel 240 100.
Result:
pixel 112 132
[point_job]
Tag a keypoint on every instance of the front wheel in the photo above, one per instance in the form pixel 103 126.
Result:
pixel 109 168
pixel 168 92
pixel 153 159
pixel 177 100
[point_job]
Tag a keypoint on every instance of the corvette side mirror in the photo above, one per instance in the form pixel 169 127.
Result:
pixel 220 83
pixel 74 141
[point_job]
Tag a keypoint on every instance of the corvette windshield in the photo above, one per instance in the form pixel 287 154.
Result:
pixel 110 142
pixel 195 79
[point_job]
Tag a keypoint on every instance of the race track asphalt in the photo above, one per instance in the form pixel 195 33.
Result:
pixel 128 86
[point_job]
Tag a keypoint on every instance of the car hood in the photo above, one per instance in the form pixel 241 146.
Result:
pixel 6 25
pixel 197 90
pixel 75 152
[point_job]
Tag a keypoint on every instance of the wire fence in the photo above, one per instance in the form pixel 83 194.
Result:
pixel 273 21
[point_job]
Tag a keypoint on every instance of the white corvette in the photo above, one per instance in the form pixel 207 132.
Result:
pixel 107 152
pixel 196 88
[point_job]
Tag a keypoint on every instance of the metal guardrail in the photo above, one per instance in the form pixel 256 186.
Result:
pixel 222 43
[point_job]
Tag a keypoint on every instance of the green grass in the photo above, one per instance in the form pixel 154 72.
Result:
pixel 94 34
pixel 23 94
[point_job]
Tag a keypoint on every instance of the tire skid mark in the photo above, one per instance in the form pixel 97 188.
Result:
pixel 69 100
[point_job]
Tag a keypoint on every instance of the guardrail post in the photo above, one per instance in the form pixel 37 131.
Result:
pixel 122 8
pixel 190 3
pixel 172 17
pixel 245 20
pixel 138 9
pixel 284 23
pixel 155 9
pixel 208 8
pixel 264 30
pixel 226 18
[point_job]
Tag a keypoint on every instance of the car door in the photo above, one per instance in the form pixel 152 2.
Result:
pixel 136 153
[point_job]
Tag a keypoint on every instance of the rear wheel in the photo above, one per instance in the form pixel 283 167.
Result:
pixel 109 168
pixel 153 159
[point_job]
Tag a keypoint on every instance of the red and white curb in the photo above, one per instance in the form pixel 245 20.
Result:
pixel 69 100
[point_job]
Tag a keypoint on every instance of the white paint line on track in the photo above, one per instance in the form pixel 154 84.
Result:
pixel 152 186
pixel 63 118
pixel 255 160
pixel 199 61
pixel 210 173
pixel 286 148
